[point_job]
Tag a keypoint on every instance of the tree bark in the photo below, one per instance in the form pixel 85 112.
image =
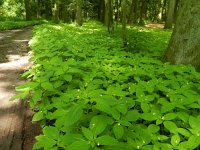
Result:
pixel 56 11
pixel 142 12
pixel 133 12
pixel 65 12
pixel 170 14
pixel 163 11
pixel 28 9
pixel 48 11
pixel 101 12
pixel 39 9
pixel 79 18
pixel 184 45
pixel 109 16
pixel 124 35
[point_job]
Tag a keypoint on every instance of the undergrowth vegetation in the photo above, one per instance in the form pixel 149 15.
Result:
pixel 90 94
pixel 5 25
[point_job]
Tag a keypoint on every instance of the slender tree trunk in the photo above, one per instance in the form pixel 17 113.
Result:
pixel 102 10
pixel 142 12
pixel 79 18
pixel 163 15
pixel 109 15
pixel 176 10
pixel 124 35
pixel 65 12
pixel 117 10
pixel 39 3
pixel 28 9
pixel 131 12
pixel 48 11
pixel 56 11
pixel 184 45
pixel 170 14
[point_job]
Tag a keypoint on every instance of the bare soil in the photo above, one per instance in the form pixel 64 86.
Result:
pixel 155 25
pixel 17 132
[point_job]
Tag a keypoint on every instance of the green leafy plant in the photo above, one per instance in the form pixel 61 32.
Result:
pixel 90 94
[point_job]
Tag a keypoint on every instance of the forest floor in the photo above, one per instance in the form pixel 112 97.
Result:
pixel 16 129
pixel 155 25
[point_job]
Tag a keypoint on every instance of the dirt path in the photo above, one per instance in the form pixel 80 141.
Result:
pixel 16 129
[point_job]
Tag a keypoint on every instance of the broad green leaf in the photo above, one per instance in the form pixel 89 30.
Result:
pixel 169 116
pixel 87 133
pixel 68 139
pixel 153 128
pixel 175 140
pixel 106 140
pixel 183 116
pixel 120 146
pixel 59 72
pixel 38 116
pixel 194 141
pixel 27 86
pixel 145 107
pixel 58 83
pixel 147 147
pixel 43 142
pixel 166 107
pixel 122 108
pixel 125 123
pixel 104 106
pixel 184 145
pixel 98 124
pixel 56 114
pixel 67 77
pixel 118 131
pixel 184 132
pixel 75 113
pixel 162 137
pixel 51 132
pixel 171 126
pixel 47 86
pixel 148 116
pixel 79 145
pixel 194 122
pixel 132 115
pixel 22 96
pixel 36 97
pixel 136 144
pixel 115 114
pixel 132 88
pixel 166 146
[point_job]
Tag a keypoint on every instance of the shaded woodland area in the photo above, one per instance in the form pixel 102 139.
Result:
pixel 104 76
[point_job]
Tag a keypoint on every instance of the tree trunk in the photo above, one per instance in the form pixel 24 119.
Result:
pixel 184 45
pixel 170 14
pixel 176 10
pixel 109 16
pixel 48 11
pixel 39 3
pixel 28 9
pixel 124 35
pixel 133 12
pixel 102 10
pixel 163 15
pixel 56 11
pixel 142 12
pixel 79 18
pixel 117 11
pixel 65 12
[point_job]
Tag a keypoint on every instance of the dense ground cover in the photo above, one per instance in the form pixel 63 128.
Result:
pixel 5 25
pixel 91 94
